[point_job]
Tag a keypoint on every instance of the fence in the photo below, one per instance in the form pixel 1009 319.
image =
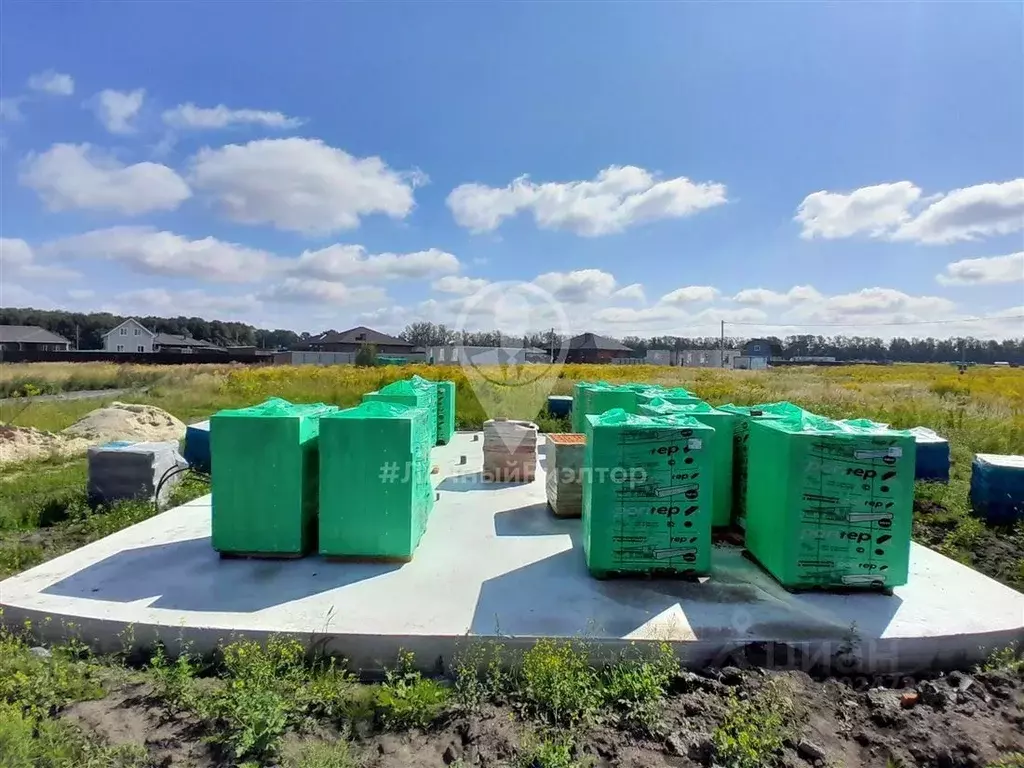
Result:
pixel 122 358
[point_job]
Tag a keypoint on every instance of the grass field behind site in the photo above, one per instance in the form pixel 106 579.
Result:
pixel 42 510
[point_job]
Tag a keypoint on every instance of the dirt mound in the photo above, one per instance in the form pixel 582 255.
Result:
pixel 127 421
pixel 19 444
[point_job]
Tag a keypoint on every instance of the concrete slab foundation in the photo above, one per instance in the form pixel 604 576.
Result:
pixel 495 563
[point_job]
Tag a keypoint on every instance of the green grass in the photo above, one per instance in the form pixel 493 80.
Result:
pixel 557 683
pixel 1009 659
pixel 754 730
pixel 549 750
pixel 407 699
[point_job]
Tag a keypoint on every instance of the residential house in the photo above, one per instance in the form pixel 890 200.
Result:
pixel 133 336
pixel 25 338
pixel 591 348
pixel 352 339
pixel 762 348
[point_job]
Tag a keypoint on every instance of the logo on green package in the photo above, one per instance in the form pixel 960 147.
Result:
pixel 513 378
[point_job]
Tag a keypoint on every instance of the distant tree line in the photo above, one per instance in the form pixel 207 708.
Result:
pixel 87 329
pixel 915 350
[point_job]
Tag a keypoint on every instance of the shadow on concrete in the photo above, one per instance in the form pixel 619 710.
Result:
pixel 535 520
pixel 474 481
pixel 190 576
pixel 738 604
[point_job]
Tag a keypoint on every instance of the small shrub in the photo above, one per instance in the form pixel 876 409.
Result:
pixel 406 699
pixel 558 684
pixel 1012 760
pixel 42 686
pixel 754 730
pixel 175 680
pixel 1009 659
pixel 634 688
pixel 549 751
pixel 479 675
pixel 320 754
pixel 366 356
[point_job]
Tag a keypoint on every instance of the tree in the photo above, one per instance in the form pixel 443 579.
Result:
pixel 366 357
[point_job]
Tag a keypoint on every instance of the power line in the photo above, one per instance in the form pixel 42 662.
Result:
pixel 876 325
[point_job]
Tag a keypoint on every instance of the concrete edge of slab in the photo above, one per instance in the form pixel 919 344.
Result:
pixel 371 653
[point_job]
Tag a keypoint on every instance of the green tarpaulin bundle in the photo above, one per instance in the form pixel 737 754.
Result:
pixel 410 393
pixel 676 396
pixel 741 435
pixel 647 502
pixel 600 398
pixel 723 423
pixel 375 490
pixel 830 504
pixel 264 478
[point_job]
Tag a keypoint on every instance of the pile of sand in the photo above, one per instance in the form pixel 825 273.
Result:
pixel 19 444
pixel 118 421
pixel 127 421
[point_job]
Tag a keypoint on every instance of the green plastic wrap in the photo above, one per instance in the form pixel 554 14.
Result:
pixel 601 398
pixel 430 387
pixel 723 423
pixel 408 393
pixel 265 478
pixel 676 396
pixel 375 490
pixel 578 408
pixel 830 505
pixel 445 411
pixel 647 499
pixel 741 435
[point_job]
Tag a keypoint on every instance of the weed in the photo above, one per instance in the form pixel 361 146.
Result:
pixel 754 730
pixel 1009 659
pixel 40 686
pixel 549 751
pixel 558 684
pixel 406 699
pixel 1012 760
pixel 330 691
pixel 479 675
pixel 175 680
pixel 635 687
pixel 320 754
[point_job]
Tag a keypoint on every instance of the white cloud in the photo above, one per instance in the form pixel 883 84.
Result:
pixel 897 211
pixel 188 115
pixel 875 211
pixel 633 292
pixel 618 198
pixel 638 317
pixel 985 271
pixel 117 110
pixel 195 302
pixel 461 285
pixel 351 262
pixel 691 294
pixel 10 109
pixel 302 290
pixel 302 185
pixel 765 297
pixel 577 287
pixel 150 251
pixel 875 300
pixel 17 259
pixel 51 82
pixel 80 294
pixel 79 176
pixel 983 210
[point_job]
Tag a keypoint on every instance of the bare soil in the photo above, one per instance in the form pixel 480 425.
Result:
pixel 955 720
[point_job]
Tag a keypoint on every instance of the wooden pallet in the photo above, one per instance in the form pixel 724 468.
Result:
pixel 262 555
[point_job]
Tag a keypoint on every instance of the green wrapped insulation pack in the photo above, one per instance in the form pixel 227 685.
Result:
pixel 430 387
pixel 409 393
pixel 647 502
pixel 578 416
pixel 830 505
pixel 265 478
pixel 445 411
pixel 365 513
pixel 740 436
pixel 723 423
pixel 676 396
pixel 600 398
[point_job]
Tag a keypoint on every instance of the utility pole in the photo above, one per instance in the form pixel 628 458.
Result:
pixel 551 344
pixel 721 347
pixel 77 344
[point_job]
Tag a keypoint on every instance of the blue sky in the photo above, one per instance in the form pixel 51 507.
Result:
pixel 795 167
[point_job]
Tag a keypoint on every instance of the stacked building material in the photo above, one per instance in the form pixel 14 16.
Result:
pixel 375 490
pixel 126 470
pixel 430 388
pixel 932 455
pixel 578 394
pixel 264 462
pixel 412 394
pixel 445 411
pixel 510 451
pixel 599 398
pixel 997 488
pixel 740 437
pixel 647 495
pixel 563 454
pixel 830 505
pixel 676 396
pixel 723 423
pixel 560 406
pixel 197 445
